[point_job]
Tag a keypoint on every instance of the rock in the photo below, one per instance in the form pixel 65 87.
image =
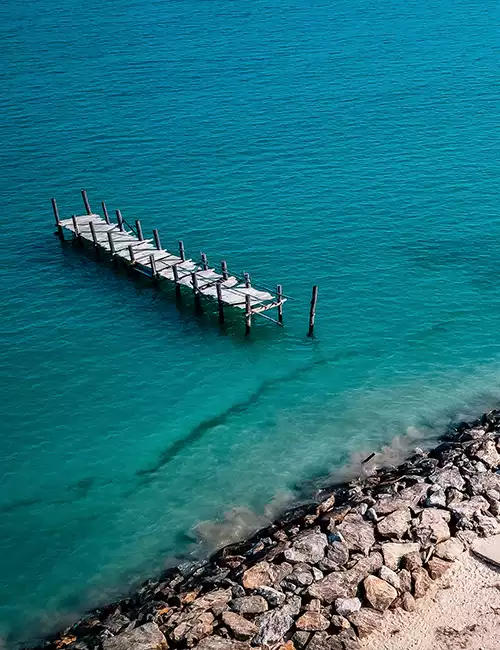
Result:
pixel 357 533
pixel 338 553
pixel 437 497
pixel 314 605
pixel 488 454
pixel 326 505
pixel 433 527
pixel 239 626
pixel 345 584
pixel 116 623
pixel 412 561
pixel 379 593
pixel 261 574
pixel 249 605
pixel 371 515
pixel 340 622
pixel 293 605
pixel 487 526
pixel 301 576
pixel 309 546
pixel 273 626
pixel 346 640
pixel 346 606
pixel 274 597
pixel 448 477
pixel 488 549
pixel 312 622
pixel 421 582
pixel 405 580
pixel 394 551
pixel 408 602
pixel 300 639
pixel 366 621
pixel 449 550
pixel 394 525
pixel 407 498
pixel 289 645
pixel 218 643
pixel 214 600
pixel 194 628
pixel 437 567
pixel 390 576
pixel 145 637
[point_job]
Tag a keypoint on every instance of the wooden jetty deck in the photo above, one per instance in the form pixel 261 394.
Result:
pixel 126 243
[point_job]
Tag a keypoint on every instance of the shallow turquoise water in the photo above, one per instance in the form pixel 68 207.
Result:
pixel 349 144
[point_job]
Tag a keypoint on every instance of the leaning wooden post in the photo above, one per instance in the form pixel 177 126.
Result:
pixel 175 272
pixel 154 273
pixel 111 243
pixel 223 266
pixel 94 234
pixel 248 314
pixel 312 311
pixel 182 254
pixel 204 261
pixel 105 212
pixel 131 253
pixel 86 202
pixel 247 280
pixel 156 235
pixel 279 296
pixel 119 219
pixel 219 300
pixel 60 233
pixel 75 226
pixel 139 230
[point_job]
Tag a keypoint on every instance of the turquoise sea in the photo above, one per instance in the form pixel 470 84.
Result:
pixel 353 144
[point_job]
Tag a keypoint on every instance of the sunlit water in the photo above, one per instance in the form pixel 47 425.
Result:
pixel 349 144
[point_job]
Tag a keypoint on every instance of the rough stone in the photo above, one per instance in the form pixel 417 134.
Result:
pixel 421 582
pixel 301 638
pixel 273 626
pixel 345 584
pixel 357 533
pixel 293 605
pixel 249 605
pixel 437 497
pixel 390 576
pixel 274 597
pixel 346 606
pixel 433 527
pixel 194 628
pixel 216 601
pixel 449 550
pixel 116 623
pixel 301 576
pixel 394 551
pixel 412 561
pixel 340 622
pixel 309 546
pixel 407 498
pixel 437 567
pixel 239 626
pixel 488 454
pixel 379 593
pixel 145 637
pixel 488 549
pixel 261 574
pixel 487 526
pixel 338 553
pixel 394 525
pixel 366 621
pixel 312 622
pixel 408 602
pixel 314 605
pixel 346 640
pixel 405 580
pixel 218 643
pixel 448 477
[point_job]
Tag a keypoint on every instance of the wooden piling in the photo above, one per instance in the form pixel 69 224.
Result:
pixel 60 232
pixel 105 212
pixel 131 253
pixel 152 262
pixel 220 301
pixel 279 296
pixel 182 254
pixel 204 261
pixel 139 230
pixel 86 202
pixel 76 227
pixel 248 314
pixel 247 280
pixel 111 243
pixel 119 220
pixel 175 272
pixel 94 234
pixel 312 311
pixel 156 236
pixel 194 280
pixel 223 266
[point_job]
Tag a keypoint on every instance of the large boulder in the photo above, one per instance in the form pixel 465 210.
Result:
pixel 309 546
pixel 357 533
pixel 408 498
pixel 395 525
pixel 432 527
pixel 379 593
pixel 344 584
pixel 394 551
pixel 366 621
pixel 448 477
pixel 250 604
pixel 273 626
pixel 241 628
pixel 146 637
pixel 261 574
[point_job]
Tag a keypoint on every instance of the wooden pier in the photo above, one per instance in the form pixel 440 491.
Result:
pixel 127 244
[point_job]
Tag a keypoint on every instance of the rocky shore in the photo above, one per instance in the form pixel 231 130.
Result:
pixel 322 576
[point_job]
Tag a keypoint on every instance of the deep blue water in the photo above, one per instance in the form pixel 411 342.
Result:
pixel 352 144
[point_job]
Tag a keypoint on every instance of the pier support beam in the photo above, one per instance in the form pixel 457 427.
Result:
pixel 154 273
pixel 105 213
pixel 312 311
pixel 175 272
pixel 139 230
pixel 223 266
pixel 86 202
pixel 60 233
pixel 156 236
pixel 112 249
pixel 76 228
pixel 119 220
pixel 131 253
pixel 220 301
pixel 279 296
pixel 182 253
pixel 247 280
pixel 204 261
pixel 248 314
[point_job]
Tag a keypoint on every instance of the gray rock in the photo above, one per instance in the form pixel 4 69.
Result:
pixel 487 526
pixel 488 454
pixel 438 567
pixel 312 622
pixel 366 621
pixel 338 553
pixel 345 584
pixel 146 637
pixel 346 606
pixel 274 597
pixel 449 550
pixel 293 605
pixel 394 551
pixel 193 628
pixel 261 574
pixel 432 527
pixel 309 546
pixel 346 640
pixel 405 580
pixel 218 643
pixel 408 602
pixel 379 593
pixel 300 639
pixel 371 515
pixel 239 626
pixel 390 576
pixel 394 525
pixel 436 498
pixel 407 498
pixel 214 600
pixel 448 477
pixel 488 549
pixel 116 623
pixel 412 561
pixel 421 582
pixel 249 605
pixel 357 533
pixel 273 626
pixel 317 574
pixel 301 576
pixel 339 622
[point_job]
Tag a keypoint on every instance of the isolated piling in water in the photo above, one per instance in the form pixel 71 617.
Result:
pixel 139 229
pixel 279 296
pixel 86 202
pixel 119 220
pixel 204 261
pixel 105 213
pixel 248 314
pixel 156 236
pixel 247 280
pixel 312 311
pixel 60 233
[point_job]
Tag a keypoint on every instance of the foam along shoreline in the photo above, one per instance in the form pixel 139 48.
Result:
pixel 323 576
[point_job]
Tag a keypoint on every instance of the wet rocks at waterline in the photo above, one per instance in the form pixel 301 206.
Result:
pixel 322 576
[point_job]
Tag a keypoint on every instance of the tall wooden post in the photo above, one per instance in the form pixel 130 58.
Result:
pixel 76 228
pixel 248 314
pixel 204 261
pixel 182 254
pixel 175 272
pixel 247 280
pixel 196 291
pixel 219 301
pixel 105 212
pixel 60 233
pixel 93 233
pixel 154 273
pixel 131 253
pixel 312 311
pixel 119 220
pixel 111 243
pixel 139 230
pixel 279 296
pixel 86 202
pixel 223 266
pixel 156 235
